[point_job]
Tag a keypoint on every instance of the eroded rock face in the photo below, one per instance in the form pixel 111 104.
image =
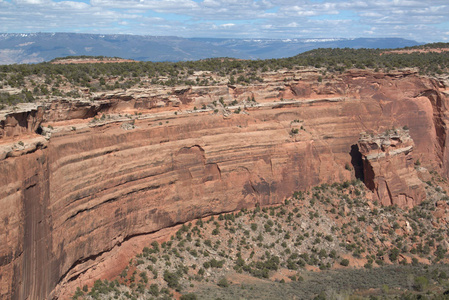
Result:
pixel 21 122
pixel 388 168
pixel 92 187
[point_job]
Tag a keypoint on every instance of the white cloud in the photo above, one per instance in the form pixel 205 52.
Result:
pixel 71 5
pixel 420 20
pixel 161 5
pixel 31 2
pixel 371 15
pixel 211 3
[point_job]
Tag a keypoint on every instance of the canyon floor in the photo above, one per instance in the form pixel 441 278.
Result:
pixel 331 242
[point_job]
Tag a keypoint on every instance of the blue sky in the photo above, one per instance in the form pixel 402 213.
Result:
pixel 423 21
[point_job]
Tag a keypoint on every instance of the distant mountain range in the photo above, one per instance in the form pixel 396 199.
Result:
pixel 40 47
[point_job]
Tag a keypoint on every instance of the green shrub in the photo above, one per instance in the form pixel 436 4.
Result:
pixel 253 226
pixel 189 296
pixel 154 290
pixel 172 279
pixel 421 283
pixel 394 253
pixel 223 282
pixel 345 262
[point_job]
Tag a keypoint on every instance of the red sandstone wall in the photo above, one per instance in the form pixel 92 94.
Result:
pixel 89 190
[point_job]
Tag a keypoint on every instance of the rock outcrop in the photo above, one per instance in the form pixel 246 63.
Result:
pixel 91 187
pixel 388 168
pixel 21 122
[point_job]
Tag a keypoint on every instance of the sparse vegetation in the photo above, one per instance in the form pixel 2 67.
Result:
pixel 278 245
pixel 31 82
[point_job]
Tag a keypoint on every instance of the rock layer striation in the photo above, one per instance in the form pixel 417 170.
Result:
pixel 70 198
pixel 389 168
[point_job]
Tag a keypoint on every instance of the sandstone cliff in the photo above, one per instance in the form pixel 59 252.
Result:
pixel 388 168
pixel 89 187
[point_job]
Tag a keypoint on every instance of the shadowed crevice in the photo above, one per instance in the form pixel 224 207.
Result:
pixel 357 162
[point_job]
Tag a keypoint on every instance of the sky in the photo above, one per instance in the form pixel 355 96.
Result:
pixel 419 20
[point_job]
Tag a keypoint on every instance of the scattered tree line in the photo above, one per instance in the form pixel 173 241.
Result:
pixel 97 77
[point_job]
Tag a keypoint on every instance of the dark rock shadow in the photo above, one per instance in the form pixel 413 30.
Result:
pixel 357 162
